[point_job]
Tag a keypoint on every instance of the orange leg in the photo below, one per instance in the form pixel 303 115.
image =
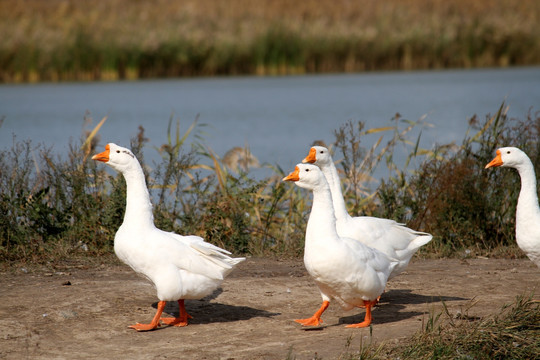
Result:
pixel 181 320
pixel 376 302
pixel 367 319
pixel 316 318
pixel 155 321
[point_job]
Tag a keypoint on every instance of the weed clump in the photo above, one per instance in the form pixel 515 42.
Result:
pixel 510 334
pixel 50 205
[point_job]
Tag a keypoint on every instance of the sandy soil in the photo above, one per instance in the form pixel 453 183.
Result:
pixel 78 312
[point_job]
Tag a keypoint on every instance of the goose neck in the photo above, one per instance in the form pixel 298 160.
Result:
pixel 138 205
pixel 334 182
pixel 528 197
pixel 322 221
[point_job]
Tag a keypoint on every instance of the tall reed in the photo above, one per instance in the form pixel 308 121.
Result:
pixel 121 39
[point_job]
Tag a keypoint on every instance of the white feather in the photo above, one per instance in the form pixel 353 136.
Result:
pixel 344 269
pixel 388 236
pixel 180 267
pixel 527 211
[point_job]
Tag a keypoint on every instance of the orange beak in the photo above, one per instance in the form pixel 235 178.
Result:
pixel 312 156
pixel 495 162
pixel 103 156
pixel 294 176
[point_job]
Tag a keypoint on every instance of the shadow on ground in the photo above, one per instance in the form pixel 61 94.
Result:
pixel 207 310
pixel 392 303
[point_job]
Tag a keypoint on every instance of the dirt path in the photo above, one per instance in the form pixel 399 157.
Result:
pixel 82 313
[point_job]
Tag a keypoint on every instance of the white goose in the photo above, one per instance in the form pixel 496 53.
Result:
pixel 180 267
pixel 344 269
pixel 393 239
pixel 527 211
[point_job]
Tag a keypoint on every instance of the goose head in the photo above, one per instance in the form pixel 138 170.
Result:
pixel 508 157
pixel 318 155
pixel 307 176
pixel 117 157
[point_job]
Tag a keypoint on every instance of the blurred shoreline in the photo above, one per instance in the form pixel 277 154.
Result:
pixel 60 40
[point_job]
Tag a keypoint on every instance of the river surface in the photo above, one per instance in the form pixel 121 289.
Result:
pixel 278 117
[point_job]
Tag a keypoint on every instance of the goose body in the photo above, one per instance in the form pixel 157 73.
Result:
pixel 180 267
pixel 527 210
pixel 393 239
pixel 344 269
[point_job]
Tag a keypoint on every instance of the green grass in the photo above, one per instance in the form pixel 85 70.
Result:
pixel 120 39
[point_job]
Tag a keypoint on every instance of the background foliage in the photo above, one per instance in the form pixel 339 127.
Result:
pixel 56 206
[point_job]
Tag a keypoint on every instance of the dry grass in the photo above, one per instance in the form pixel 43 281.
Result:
pixel 511 333
pixel 60 39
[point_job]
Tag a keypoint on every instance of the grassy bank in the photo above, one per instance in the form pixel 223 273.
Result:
pixel 511 333
pixel 121 39
pixel 56 207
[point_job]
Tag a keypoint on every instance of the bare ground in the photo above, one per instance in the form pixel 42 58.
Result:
pixel 81 312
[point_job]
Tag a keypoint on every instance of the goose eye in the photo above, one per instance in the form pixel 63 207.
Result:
pixel 322 151
pixel 118 151
pixel 508 152
pixel 307 170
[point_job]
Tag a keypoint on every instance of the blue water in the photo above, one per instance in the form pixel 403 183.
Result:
pixel 278 117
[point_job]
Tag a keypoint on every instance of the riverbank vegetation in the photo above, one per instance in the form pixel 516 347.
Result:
pixel 511 333
pixel 56 206
pixel 121 39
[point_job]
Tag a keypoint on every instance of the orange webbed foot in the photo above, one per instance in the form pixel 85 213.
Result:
pixel 144 327
pixel 359 325
pixel 182 319
pixel 315 320
pixel 367 318
pixel 179 321
pixel 155 321
pixel 312 321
